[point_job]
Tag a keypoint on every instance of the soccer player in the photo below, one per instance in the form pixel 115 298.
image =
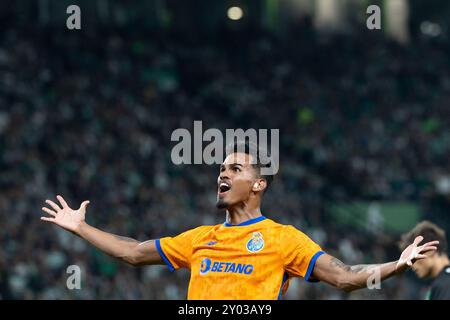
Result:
pixel 248 256
pixel 437 265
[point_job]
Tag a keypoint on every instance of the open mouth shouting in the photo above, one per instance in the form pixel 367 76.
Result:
pixel 224 187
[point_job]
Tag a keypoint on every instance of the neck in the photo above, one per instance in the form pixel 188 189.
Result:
pixel 241 213
pixel 441 263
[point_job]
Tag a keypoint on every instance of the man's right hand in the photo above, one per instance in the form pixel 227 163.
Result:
pixel 123 248
pixel 65 217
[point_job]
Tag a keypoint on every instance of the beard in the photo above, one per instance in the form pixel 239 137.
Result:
pixel 221 204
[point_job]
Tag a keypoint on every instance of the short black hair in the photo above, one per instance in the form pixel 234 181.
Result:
pixel 260 154
pixel 430 232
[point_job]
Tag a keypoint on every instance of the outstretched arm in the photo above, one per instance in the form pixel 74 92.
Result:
pixel 123 248
pixel 348 278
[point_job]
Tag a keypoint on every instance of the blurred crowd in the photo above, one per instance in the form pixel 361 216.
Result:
pixel 89 115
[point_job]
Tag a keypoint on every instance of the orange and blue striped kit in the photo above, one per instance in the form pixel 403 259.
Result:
pixel 252 260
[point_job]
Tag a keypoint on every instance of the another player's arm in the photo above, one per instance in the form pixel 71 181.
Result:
pixel 123 248
pixel 348 278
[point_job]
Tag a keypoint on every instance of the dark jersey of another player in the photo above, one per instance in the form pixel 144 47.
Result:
pixel 440 288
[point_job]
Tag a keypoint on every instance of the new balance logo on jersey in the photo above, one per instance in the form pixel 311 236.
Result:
pixel 228 267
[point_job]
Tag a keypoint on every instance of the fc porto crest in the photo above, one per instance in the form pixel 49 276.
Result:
pixel 256 243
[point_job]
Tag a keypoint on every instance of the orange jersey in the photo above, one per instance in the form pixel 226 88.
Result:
pixel 252 260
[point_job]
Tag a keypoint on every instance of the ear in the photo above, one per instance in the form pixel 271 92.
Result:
pixel 259 185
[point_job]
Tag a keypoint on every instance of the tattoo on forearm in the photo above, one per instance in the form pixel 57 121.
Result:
pixel 125 238
pixel 336 263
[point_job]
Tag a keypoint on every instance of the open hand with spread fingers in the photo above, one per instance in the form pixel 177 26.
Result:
pixel 414 252
pixel 64 216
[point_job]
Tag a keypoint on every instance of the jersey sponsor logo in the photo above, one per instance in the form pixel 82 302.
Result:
pixel 207 265
pixel 256 243
pixel 211 243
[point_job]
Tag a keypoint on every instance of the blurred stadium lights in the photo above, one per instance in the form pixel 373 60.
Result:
pixel 235 13
pixel 443 184
pixel 430 29
pixel 329 15
pixel 401 19
pixel 397 19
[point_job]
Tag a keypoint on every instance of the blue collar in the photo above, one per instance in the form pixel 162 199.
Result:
pixel 245 223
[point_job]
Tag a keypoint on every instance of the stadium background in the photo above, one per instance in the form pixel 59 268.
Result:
pixel 363 118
